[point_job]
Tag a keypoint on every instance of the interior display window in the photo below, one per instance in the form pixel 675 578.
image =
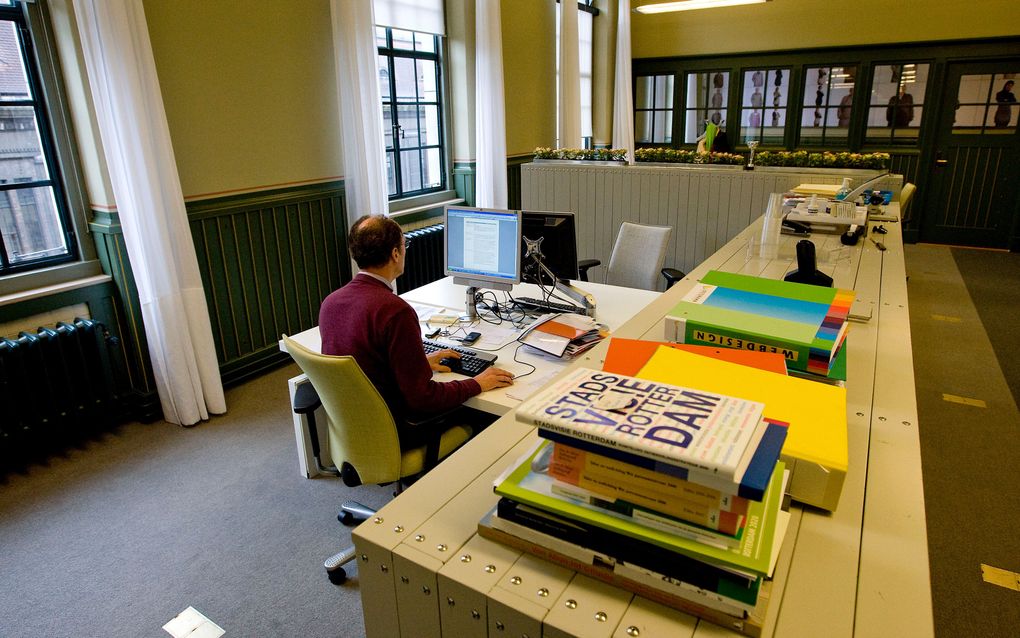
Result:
pixel 896 104
pixel 706 101
pixel 763 105
pixel 986 105
pixel 653 109
pixel 828 105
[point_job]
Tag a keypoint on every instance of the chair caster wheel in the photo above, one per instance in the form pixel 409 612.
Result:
pixel 345 517
pixel 337 576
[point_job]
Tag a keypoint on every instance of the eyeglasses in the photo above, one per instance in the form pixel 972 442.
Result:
pixel 407 242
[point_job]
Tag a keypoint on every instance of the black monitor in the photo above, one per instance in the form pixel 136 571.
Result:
pixel 559 245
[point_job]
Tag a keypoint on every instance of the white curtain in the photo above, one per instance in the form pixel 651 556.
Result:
pixel 361 118
pixel 490 120
pixel 147 189
pixel 623 100
pixel 411 15
pixel 570 78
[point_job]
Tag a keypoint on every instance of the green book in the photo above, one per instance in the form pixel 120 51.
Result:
pixel 806 324
pixel 524 485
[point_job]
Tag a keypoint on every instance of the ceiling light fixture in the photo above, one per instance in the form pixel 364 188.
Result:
pixel 690 5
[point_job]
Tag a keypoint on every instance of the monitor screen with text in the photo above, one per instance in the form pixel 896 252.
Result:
pixel 483 245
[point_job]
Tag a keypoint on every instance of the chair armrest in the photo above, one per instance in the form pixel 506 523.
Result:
pixel 584 264
pixel 672 276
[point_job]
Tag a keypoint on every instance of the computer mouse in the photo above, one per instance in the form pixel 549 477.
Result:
pixel 451 363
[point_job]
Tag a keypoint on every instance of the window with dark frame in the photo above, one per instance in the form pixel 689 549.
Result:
pixel 896 104
pixel 653 109
pixel 410 83
pixel 35 228
pixel 763 105
pixel 707 100
pixel 828 105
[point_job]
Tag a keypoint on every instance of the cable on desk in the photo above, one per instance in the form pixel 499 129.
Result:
pixel 533 368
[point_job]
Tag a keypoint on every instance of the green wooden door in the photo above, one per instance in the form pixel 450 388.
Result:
pixel 973 186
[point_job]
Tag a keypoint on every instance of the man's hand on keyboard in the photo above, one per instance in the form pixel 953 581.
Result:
pixel 492 378
pixel 436 356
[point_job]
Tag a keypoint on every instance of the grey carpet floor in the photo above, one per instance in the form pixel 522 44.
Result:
pixel 969 454
pixel 117 538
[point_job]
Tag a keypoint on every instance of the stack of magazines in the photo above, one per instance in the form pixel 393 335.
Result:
pixel 670 492
pixel 563 334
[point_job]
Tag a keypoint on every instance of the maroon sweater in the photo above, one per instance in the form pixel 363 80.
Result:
pixel 380 330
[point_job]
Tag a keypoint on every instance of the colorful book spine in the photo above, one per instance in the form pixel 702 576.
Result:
pixel 697 430
pixel 728 536
pixel 529 485
pixel 616 479
pixel 751 486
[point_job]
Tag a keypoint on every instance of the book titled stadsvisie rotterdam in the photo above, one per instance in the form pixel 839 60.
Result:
pixel 704 431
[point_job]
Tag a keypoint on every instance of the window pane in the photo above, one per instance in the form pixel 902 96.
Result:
pixel 974 89
pixel 410 171
pixel 380 36
pixel 427 91
pixel 30 225
pixel 1005 112
pixel 391 174
pixel 425 42
pixel 429 125
pixel 387 116
pixel 384 77
pixel 644 95
pixel 23 159
pixel 778 81
pixel 663 127
pixel 969 116
pixel 694 126
pixel 402 39
pixel 642 126
pixel 433 168
pixel 13 81
pixel 407 120
pixel 406 79
pixel 664 92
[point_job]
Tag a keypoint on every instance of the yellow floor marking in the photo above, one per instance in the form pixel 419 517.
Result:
pixel 947 319
pixel 1000 577
pixel 952 398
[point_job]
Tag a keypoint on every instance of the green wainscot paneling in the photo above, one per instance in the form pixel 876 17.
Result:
pixel 464 180
pixel 267 261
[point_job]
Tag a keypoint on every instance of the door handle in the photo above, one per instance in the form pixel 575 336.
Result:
pixel 940 160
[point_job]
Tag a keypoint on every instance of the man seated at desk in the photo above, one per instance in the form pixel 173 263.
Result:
pixel 367 320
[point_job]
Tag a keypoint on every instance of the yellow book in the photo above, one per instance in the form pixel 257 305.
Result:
pixel 816 442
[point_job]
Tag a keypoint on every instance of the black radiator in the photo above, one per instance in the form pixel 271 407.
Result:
pixel 423 262
pixel 57 388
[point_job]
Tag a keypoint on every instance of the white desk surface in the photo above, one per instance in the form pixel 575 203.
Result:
pixel 859 571
pixel 614 307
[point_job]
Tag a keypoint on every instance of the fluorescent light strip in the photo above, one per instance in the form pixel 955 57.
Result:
pixel 690 5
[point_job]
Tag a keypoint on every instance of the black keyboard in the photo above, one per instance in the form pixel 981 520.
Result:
pixel 471 361
pixel 550 306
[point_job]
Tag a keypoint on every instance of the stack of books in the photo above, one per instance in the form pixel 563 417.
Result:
pixel 806 324
pixel 671 492
pixel 563 334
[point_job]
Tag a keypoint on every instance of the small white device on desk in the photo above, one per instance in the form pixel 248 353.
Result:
pixel 823 214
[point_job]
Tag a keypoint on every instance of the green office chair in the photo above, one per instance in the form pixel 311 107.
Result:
pixel 363 444
pixel 637 258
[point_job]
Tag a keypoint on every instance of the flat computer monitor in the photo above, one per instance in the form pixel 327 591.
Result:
pixel 559 245
pixel 482 247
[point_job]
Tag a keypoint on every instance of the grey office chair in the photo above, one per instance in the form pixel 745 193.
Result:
pixel 363 443
pixel 906 194
pixel 637 258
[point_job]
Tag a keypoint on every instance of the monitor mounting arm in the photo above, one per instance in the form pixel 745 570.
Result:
pixel 533 249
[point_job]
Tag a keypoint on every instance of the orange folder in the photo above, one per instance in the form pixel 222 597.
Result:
pixel 628 356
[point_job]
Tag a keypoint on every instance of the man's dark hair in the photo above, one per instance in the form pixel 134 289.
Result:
pixel 372 239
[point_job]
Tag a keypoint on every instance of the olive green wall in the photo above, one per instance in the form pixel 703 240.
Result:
pixel 249 90
pixel 798 24
pixel 529 74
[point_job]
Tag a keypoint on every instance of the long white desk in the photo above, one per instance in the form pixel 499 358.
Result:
pixel 614 307
pixel 860 571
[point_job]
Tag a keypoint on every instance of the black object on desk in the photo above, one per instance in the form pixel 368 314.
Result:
pixel 807 271
pixel 471 362
pixel 549 306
